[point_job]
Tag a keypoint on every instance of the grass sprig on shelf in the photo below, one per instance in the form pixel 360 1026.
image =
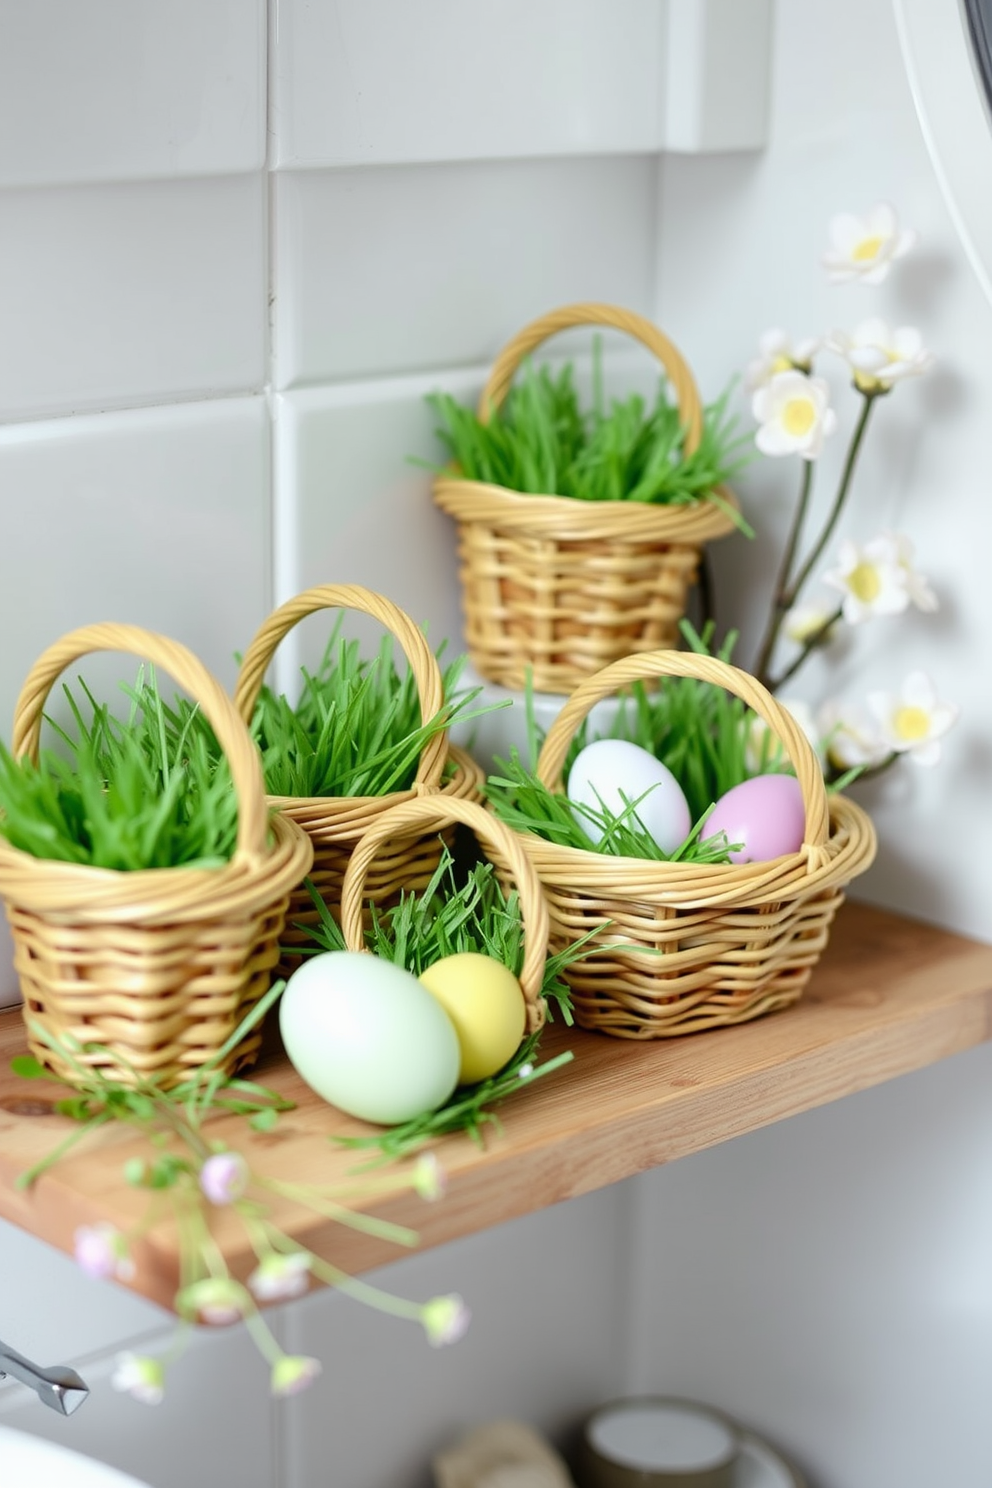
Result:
pixel 193 1179
pixel 540 442
pixel 457 913
pixel 356 729
pixel 144 791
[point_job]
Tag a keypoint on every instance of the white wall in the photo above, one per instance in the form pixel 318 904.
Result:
pixel 216 345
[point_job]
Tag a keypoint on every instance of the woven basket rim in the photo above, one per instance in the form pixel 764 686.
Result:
pixel 459 497
pixel 339 806
pixel 850 849
pixel 81 893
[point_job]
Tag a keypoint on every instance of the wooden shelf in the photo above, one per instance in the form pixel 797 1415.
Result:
pixel 891 995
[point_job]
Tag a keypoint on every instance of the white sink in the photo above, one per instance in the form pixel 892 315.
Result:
pixel 32 1462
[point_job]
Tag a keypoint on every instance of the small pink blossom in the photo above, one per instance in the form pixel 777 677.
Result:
pixel 101 1251
pixel 445 1319
pixel 293 1373
pixel 224 1177
pixel 429 1178
pixel 215 1299
pixel 140 1376
pixel 279 1277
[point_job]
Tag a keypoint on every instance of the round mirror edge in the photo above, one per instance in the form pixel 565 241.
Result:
pixel 950 102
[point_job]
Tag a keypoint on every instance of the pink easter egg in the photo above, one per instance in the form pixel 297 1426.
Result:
pixel 765 814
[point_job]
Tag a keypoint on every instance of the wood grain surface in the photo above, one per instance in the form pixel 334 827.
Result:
pixel 890 995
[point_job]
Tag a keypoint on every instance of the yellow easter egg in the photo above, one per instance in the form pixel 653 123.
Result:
pixel 485 1003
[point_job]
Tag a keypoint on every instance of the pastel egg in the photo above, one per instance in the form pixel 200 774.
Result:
pixel 485 1002
pixel 367 1037
pixel 765 814
pixel 610 769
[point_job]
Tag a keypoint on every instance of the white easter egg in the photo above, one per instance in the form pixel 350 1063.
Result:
pixel 368 1037
pixel 609 770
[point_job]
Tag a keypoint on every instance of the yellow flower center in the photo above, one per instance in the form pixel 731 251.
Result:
pixel 867 249
pixel 782 364
pixel 864 582
pixel 911 723
pixel 798 416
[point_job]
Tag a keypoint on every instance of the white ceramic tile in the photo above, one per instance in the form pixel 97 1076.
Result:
pixel 372 82
pixel 54 1314
pixel 827 1281
pixel 544 1344
pixel 399 268
pixel 124 294
pixel 352 509
pixel 156 517
pixel 118 89
pixel 216 1426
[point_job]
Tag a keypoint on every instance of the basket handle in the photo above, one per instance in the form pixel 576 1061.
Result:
pixel 423 662
pixel 192 676
pixel 648 664
pixel 591 313
pixel 430 812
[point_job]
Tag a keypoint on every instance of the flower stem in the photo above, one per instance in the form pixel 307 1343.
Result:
pixel 363 1291
pixel 780 602
pixel 810 644
pixel 787 590
pixel 843 490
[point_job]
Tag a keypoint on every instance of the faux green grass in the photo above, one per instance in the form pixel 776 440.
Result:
pixel 146 791
pixel 455 913
pixel 356 729
pixel 541 442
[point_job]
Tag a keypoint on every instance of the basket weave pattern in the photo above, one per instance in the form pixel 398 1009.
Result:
pixel 690 946
pixel 558 587
pixel 335 823
pixel 157 966
pixel 436 813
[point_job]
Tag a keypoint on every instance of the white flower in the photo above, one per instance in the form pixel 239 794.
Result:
pixel 762 749
pixel 777 354
pixel 803 622
pixel 866 247
pixel 878 356
pixel 794 415
pixel 849 738
pixel 140 1376
pixel 277 1277
pixel 879 579
pixel 913 721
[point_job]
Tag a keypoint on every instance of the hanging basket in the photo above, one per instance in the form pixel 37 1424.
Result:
pixel 553 587
pixel 689 946
pixel 335 823
pixel 436 814
pixel 158 966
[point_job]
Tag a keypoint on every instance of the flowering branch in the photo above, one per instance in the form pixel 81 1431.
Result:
pixel 792 409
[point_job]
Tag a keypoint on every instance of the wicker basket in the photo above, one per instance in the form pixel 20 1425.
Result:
pixel 555 587
pixel 335 823
pixel 435 813
pixel 158 966
pixel 695 946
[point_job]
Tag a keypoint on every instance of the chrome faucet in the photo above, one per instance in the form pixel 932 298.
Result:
pixel 59 1388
